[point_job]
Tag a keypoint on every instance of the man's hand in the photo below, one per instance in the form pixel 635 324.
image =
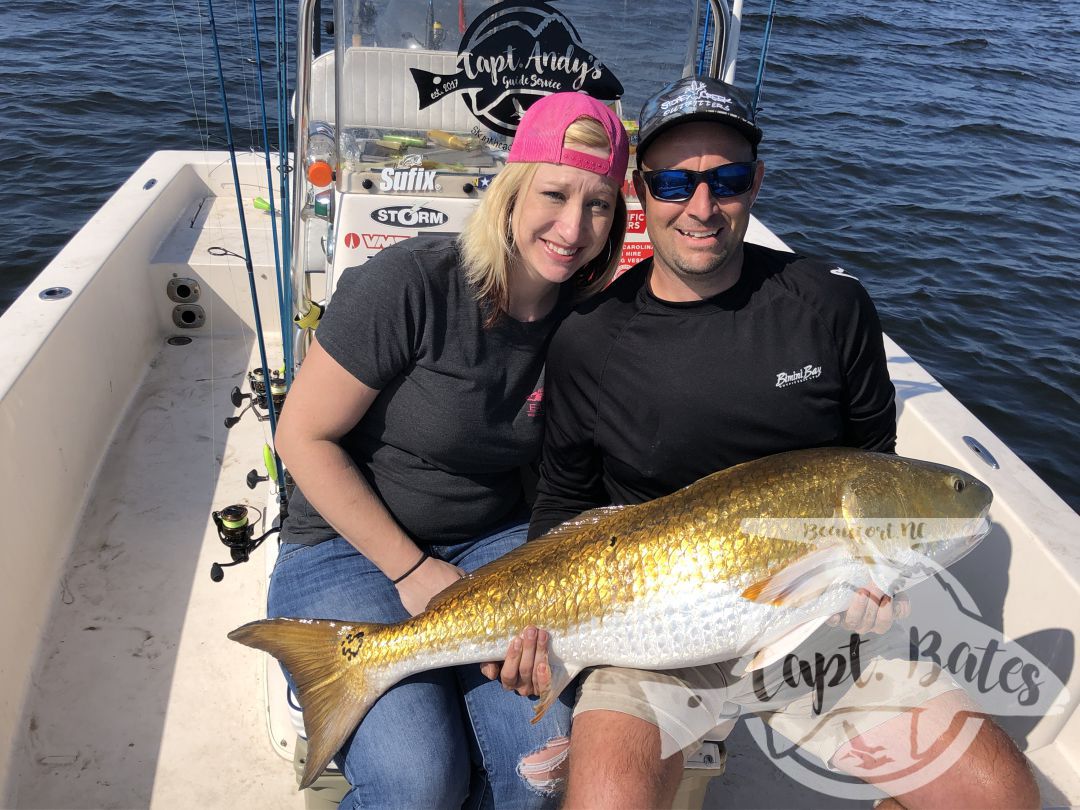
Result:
pixel 871 611
pixel 525 669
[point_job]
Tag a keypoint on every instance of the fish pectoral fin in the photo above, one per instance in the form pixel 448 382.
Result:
pixel 562 673
pixel 783 645
pixel 886 577
pixel 800 582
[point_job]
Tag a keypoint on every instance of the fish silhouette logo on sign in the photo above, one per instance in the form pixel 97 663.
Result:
pixel 513 54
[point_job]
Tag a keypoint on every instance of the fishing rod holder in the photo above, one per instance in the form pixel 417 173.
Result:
pixel 237 533
pixel 257 400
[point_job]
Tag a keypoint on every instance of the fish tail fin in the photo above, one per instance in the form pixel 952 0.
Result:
pixel 334 690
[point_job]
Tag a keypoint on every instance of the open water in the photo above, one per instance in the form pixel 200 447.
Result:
pixel 933 148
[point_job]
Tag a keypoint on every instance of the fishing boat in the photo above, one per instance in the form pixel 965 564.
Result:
pixel 146 363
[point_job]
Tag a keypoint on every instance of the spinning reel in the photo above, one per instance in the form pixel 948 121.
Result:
pixel 257 400
pixel 235 531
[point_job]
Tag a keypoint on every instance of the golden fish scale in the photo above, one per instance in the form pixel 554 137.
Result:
pixel 679 541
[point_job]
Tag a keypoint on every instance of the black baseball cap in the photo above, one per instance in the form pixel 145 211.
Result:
pixel 696 98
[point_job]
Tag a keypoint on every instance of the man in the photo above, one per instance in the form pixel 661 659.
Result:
pixel 712 353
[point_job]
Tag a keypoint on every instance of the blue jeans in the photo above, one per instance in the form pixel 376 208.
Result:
pixel 447 738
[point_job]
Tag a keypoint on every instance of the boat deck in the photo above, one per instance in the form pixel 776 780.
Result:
pixel 140 700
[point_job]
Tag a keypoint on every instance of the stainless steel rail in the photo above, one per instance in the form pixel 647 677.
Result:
pixel 301 287
pixel 717 59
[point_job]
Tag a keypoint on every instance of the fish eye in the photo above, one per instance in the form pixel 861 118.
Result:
pixel 958 484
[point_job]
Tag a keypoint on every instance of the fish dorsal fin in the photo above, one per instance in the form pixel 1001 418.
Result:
pixel 785 644
pixel 574 525
pixel 800 582
pixel 563 530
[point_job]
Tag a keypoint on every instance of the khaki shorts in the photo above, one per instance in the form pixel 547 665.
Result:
pixel 690 704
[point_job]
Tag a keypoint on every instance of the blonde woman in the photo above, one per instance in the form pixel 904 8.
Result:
pixel 406 430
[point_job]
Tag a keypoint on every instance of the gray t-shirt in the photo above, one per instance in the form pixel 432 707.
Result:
pixel 460 408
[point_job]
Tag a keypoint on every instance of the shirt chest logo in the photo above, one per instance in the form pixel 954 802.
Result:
pixel 807 372
pixel 534 405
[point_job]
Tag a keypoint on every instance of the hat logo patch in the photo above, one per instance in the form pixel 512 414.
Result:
pixel 694 97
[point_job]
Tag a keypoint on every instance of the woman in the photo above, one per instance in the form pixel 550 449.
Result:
pixel 406 429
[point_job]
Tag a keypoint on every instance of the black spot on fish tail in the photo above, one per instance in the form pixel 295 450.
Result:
pixel 351 643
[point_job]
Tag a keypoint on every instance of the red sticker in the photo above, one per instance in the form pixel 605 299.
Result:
pixel 352 240
pixel 378 241
pixel 632 253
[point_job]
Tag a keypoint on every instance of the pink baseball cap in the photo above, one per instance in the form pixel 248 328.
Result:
pixel 542 131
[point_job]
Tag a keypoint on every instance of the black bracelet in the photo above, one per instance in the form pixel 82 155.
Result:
pixel 418 563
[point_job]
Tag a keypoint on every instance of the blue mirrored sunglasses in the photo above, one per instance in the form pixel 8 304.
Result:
pixel 678 185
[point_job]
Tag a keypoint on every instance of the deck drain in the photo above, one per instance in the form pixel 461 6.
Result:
pixel 178 341
pixel 54 293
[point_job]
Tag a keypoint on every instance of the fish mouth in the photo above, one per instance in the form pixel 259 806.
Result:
pixel 931 560
pixel 982 527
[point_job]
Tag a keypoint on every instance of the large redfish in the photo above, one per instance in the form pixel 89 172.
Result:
pixel 745 562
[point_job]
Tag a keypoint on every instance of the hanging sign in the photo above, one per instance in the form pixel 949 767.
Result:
pixel 513 54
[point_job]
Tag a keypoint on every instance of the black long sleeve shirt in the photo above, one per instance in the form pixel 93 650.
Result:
pixel 643 396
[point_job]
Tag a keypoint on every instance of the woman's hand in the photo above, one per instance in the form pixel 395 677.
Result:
pixel 423 584
pixel 525 669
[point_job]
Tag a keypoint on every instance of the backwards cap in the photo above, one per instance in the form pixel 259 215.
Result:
pixel 542 132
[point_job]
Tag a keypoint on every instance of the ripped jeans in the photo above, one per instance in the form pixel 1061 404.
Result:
pixel 447 738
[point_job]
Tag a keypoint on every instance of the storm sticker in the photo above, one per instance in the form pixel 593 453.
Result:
pixel 409 216
pixel 512 55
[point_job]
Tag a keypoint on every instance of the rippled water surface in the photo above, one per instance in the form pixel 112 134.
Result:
pixel 930 147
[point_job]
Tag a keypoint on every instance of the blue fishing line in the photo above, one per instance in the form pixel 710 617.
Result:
pixel 247 247
pixel 286 321
pixel 704 39
pixel 764 54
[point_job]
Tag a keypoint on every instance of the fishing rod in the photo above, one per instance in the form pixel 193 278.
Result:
pixel 764 54
pixel 286 320
pixel 284 167
pixel 247 247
